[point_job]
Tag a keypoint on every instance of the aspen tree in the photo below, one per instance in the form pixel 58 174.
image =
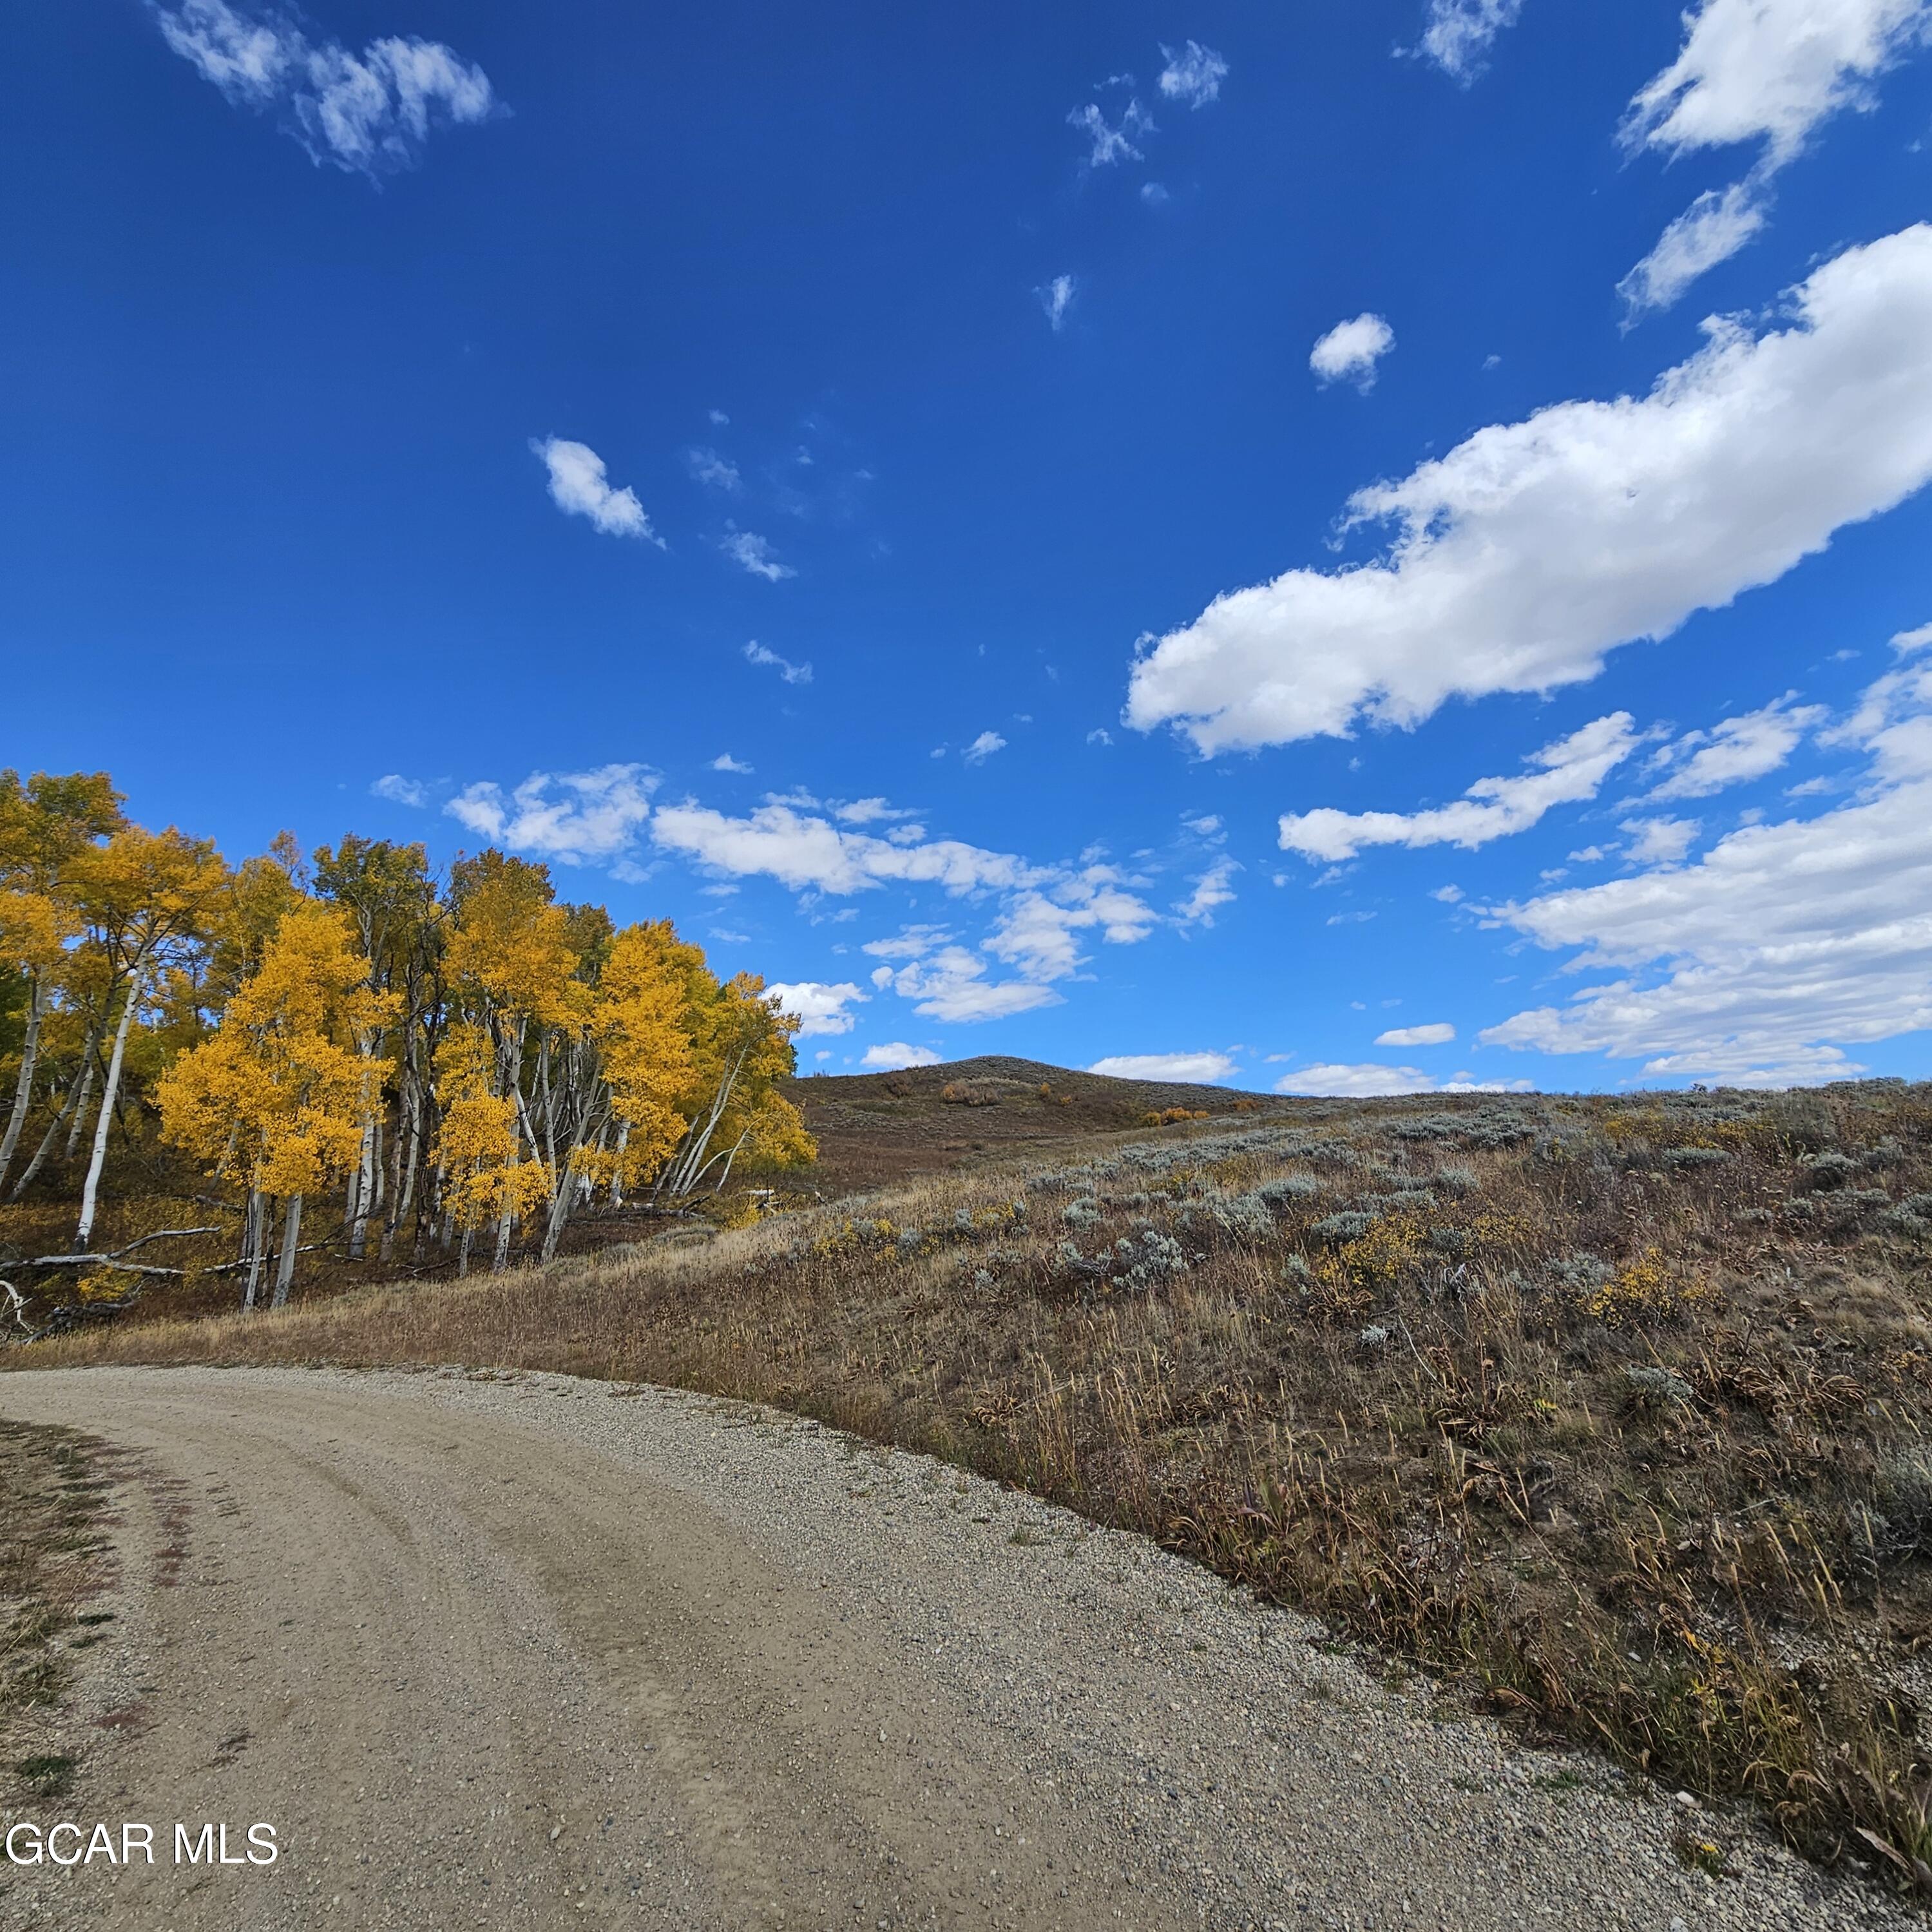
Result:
pixel 139 896
pixel 510 959
pixel 45 824
pixel 276 1098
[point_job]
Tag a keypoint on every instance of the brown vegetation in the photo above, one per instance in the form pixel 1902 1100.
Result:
pixel 1613 1412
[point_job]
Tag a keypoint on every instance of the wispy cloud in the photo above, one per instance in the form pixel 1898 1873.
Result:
pixel 399 791
pixel 1737 750
pixel 1193 75
pixel 719 473
pixel 1213 888
pixel 580 488
pixel 751 552
pixel 793 673
pixel 1566 772
pixel 1457 35
pixel 1110 143
pixel 724 762
pixel 369 113
pixel 1056 297
pixel 1711 230
pixel 982 748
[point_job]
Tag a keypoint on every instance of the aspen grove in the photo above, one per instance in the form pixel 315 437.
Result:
pixel 356 1054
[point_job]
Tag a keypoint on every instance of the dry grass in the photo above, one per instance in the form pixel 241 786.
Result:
pixel 1614 1412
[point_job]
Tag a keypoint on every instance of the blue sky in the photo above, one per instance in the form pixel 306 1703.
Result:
pixel 1355 548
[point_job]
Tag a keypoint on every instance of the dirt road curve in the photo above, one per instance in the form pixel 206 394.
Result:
pixel 535 1653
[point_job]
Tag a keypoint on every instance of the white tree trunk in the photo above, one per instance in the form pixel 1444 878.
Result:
pixel 90 1193
pixel 285 1269
pixel 257 1238
pixel 507 1220
pixel 361 1193
pixel 23 1087
pixel 80 1119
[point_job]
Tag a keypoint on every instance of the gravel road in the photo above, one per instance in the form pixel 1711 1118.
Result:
pixel 527 1651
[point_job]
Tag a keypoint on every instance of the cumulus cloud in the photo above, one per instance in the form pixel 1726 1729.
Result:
pixel 571 816
pixel 1770 69
pixel 1107 144
pixel 1764 70
pixel 1056 297
pixel 1192 76
pixel 1711 230
pixel 821 1008
pixel 369 113
pixel 580 488
pixel 1438 1033
pixel 1349 352
pixel 1737 750
pixel 1533 548
pixel 1571 770
pixel 895 1054
pixel 793 673
pixel 1782 945
pixel 724 762
pixel 983 747
pixel 1659 841
pixel 1194 1069
pixel 399 791
pixel 1458 33
pixel 751 553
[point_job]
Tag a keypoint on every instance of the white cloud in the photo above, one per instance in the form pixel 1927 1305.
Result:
pixel 1767 71
pixel 1659 841
pixel 1365 1082
pixel 1194 1069
pixel 579 488
pixel 1214 888
pixel 1349 352
pixel 1459 34
pixel 1153 194
pixel 1913 640
pixel 895 1054
pixel 752 552
pixel 1056 298
pixel 1349 1081
pixel 950 983
pixel 1533 548
pixel 1106 144
pixel 1782 945
pixel 595 817
pixel 1438 1032
pixel 821 1008
pixel 1193 75
pixel 719 473
pixel 1205 826
pixel 724 762
pixel 1448 895
pixel 793 673
pixel 1711 230
pixel 399 791
pixel 1563 773
pixel 808 852
pixel 1737 750
pixel 983 747
pixel 368 114
pixel 1770 69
